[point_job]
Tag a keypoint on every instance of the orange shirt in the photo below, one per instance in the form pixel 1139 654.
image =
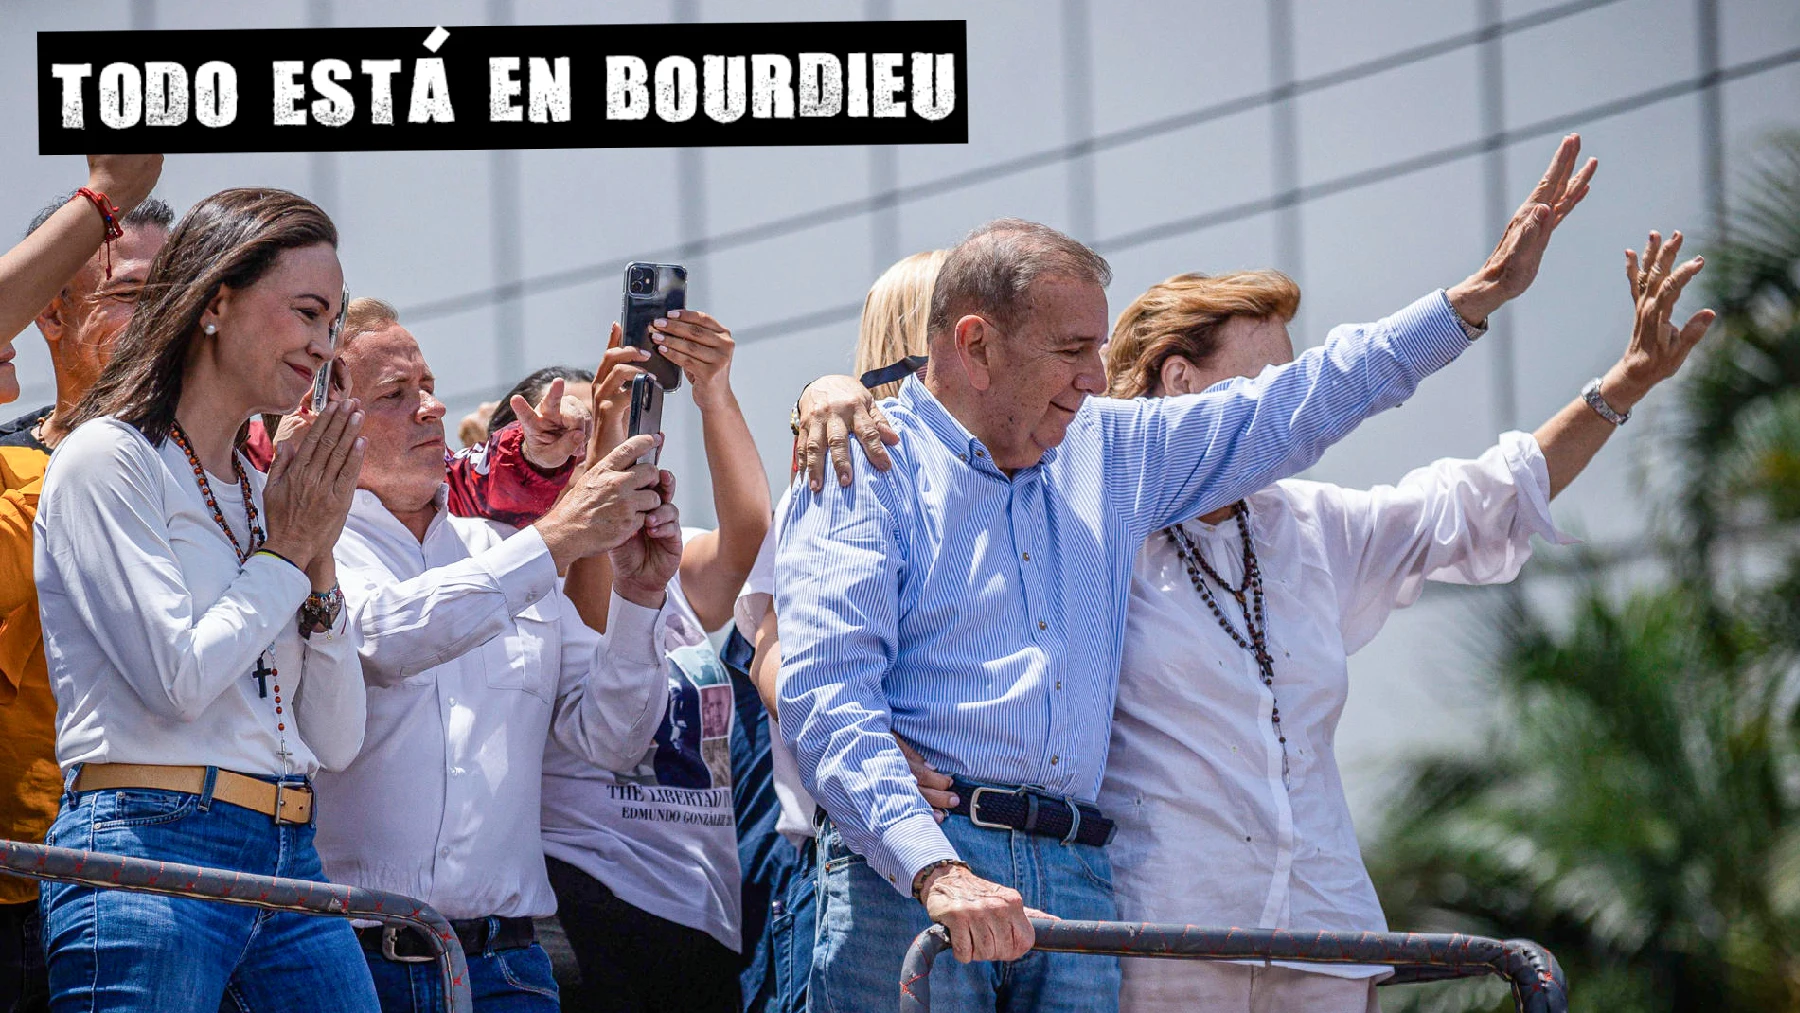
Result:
pixel 30 781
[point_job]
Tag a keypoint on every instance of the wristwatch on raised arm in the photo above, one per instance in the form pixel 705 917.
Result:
pixel 1591 394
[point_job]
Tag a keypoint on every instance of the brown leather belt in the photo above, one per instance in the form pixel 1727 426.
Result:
pixel 287 803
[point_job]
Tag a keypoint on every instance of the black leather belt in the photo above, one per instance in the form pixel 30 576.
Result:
pixel 1033 812
pixel 404 944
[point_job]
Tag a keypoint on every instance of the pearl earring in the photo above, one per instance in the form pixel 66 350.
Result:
pixel 211 328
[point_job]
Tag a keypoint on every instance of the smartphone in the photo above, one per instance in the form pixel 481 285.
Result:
pixel 651 291
pixel 646 412
pixel 322 377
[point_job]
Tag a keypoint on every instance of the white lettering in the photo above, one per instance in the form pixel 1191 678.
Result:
pixel 549 90
pixel 821 84
pixel 627 91
pixel 771 87
pixel 336 107
pixel 215 94
pixel 71 76
pixel 677 89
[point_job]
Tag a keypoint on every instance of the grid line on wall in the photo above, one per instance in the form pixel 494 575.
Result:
pixel 1005 168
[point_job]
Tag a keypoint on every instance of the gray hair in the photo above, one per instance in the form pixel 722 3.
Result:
pixel 992 271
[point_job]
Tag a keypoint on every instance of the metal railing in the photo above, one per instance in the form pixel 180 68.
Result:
pixel 272 893
pixel 1536 980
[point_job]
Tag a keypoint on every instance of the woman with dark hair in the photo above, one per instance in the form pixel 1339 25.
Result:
pixel 193 627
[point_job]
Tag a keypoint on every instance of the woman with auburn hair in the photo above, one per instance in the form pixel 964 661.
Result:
pixel 1222 773
pixel 193 626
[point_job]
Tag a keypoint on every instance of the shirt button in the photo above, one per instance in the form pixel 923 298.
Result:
pixel 450 702
pixel 458 771
pixel 1054 759
pixel 445 852
pixel 1059 684
pixel 1043 625
pixel 1026 556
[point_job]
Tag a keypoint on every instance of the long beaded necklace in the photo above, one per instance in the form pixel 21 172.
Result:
pixel 264 671
pixel 1249 596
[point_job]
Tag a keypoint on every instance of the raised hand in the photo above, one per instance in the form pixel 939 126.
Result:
pixel 702 347
pixel 832 408
pixel 125 179
pixel 1513 265
pixel 557 429
pixel 1658 347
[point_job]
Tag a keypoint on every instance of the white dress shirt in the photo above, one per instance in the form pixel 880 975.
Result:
pixel 152 629
pixel 473 657
pixel 1207 833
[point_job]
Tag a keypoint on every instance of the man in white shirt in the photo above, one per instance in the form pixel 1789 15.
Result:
pixel 473 656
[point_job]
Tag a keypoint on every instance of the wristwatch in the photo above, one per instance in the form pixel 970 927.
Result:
pixel 1591 394
pixel 924 874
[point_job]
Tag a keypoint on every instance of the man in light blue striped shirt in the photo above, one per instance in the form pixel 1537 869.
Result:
pixel 971 599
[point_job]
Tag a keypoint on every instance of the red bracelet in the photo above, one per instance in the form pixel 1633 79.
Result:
pixel 109 214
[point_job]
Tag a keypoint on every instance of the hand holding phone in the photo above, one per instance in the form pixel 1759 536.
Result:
pixel 651 291
pixel 646 412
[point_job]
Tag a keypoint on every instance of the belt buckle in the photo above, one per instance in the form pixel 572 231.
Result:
pixel 975 806
pixel 388 934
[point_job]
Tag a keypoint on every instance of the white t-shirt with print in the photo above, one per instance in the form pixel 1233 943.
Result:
pixel 663 837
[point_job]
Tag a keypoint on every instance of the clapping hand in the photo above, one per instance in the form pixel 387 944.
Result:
pixel 1513 265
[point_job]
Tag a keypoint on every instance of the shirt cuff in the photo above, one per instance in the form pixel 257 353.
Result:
pixel 522 568
pixel 1428 334
pixel 909 845
pixel 633 633
pixel 286 579
pixel 1531 477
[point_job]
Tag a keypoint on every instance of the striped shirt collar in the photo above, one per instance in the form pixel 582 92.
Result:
pixel 968 448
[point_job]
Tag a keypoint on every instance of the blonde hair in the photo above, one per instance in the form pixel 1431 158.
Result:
pixel 895 314
pixel 1182 316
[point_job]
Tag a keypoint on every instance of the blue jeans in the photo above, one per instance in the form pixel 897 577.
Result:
pixel 113 950
pixel 502 981
pixel 768 864
pixel 793 926
pixel 866 926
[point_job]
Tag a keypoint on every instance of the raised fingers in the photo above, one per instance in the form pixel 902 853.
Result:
pixel 1631 273
pixel 1577 190
pixel 1695 329
pixel 1557 175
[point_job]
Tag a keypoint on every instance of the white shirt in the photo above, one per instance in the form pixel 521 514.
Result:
pixel 472 659
pixel 662 833
pixel 753 604
pixel 152 628
pixel 1207 832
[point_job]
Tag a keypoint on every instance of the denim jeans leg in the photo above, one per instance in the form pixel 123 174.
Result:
pixel 117 950
pixel 866 927
pixel 792 934
pixel 294 958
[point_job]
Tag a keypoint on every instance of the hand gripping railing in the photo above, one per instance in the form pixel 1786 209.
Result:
pixel 1537 981
pixel 273 893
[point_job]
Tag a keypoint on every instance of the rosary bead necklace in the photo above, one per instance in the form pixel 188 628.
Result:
pixel 264 671
pixel 1249 596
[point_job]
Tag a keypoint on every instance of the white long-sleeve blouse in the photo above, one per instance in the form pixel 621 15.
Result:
pixel 152 629
pixel 1208 833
